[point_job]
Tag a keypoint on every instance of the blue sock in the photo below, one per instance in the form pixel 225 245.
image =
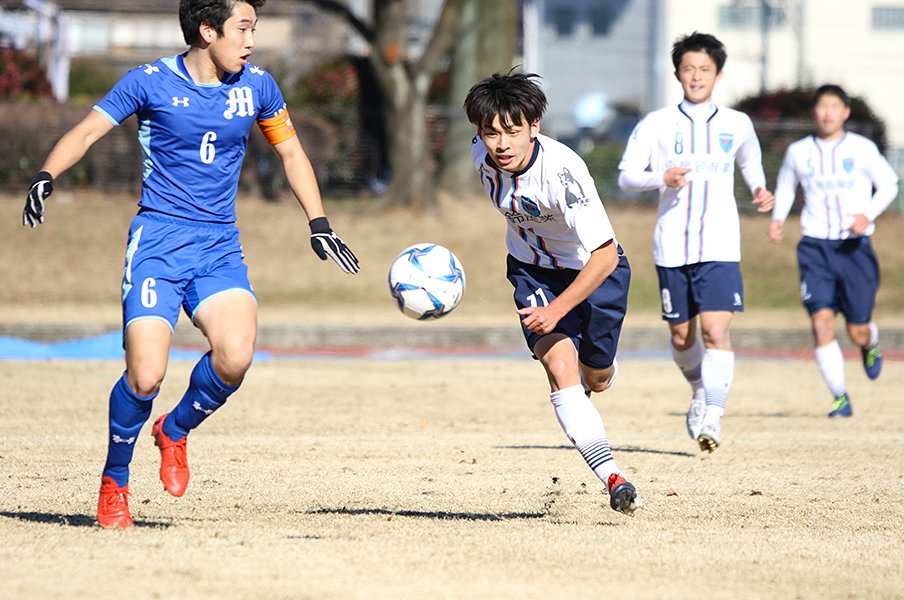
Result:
pixel 206 393
pixel 128 412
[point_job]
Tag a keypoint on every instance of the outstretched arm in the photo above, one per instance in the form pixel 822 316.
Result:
pixel 301 178
pixel 67 151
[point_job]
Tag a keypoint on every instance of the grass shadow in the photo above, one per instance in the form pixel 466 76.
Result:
pixel 69 520
pixel 439 515
pixel 628 449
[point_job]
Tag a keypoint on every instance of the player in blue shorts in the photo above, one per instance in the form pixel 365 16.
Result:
pixel 569 273
pixel 195 111
pixel 846 184
pixel 688 152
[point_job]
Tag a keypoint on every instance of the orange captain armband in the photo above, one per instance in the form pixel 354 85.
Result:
pixel 277 128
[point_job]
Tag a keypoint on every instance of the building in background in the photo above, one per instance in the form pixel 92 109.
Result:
pixel 619 49
pixel 126 33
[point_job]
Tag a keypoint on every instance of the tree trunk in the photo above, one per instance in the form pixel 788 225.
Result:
pixel 486 44
pixel 404 82
pixel 410 160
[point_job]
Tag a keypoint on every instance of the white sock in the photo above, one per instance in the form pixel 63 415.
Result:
pixel 717 371
pixel 614 373
pixel 690 362
pixel 583 425
pixel 830 360
pixel 873 336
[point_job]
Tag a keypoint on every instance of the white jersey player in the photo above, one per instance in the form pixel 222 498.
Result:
pixel 838 172
pixel 554 214
pixel 570 275
pixel 688 152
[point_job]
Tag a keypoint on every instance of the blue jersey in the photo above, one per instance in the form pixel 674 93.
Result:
pixel 193 136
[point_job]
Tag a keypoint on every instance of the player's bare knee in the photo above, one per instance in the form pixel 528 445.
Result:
pixel 859 334
pixel 144 382
pixel 231 363
pixel 681 340
pixel 558 370
pixel 716 337
pixel 599 385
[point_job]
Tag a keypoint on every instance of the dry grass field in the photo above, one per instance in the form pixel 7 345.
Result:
pixel 443 478
pixel 451 479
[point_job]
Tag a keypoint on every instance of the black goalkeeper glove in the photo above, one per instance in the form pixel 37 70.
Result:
pixel 327 244
pixel 41 187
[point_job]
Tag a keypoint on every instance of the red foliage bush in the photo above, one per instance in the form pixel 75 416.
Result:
pixel 21 77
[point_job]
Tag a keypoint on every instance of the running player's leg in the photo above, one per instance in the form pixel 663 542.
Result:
pixel 147 348
pixel 830 360
pixel 150 300
pixel 719 288
pixel 858 274
pixel 558 354
pixel 580 419
pixel 679 311
pixel 601 317
pixel 229 321
pixel 819 295
pixel 717 371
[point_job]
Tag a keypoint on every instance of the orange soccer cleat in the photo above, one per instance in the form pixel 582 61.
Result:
pixel 113 505
pixel 173 459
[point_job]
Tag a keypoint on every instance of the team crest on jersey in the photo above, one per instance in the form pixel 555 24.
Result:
pixel 847 164
pixel 726 141
pixel 240 103
pixel 529 206
pixel 574 193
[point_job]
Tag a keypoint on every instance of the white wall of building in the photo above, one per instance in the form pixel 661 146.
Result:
pixel 827 41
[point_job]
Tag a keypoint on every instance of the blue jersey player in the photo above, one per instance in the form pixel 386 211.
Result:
pixel 569 274
pixel 195 112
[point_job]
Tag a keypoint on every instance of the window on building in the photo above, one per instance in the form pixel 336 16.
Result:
pixel 563 21
pixel 600 18
pixel 748 14
pixel 888 17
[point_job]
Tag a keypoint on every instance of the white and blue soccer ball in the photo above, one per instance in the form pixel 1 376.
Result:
pixel 427 281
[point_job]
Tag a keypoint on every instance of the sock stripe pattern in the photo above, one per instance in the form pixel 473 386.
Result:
pixel 596 452
pixel 717 371
pixel 583 425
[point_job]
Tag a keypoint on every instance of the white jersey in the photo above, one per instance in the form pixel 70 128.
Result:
pixel 699 222
pixel 837 178
pixel 554 214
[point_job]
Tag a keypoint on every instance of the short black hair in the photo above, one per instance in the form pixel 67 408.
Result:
pixel 514 97
pixel 830 89
pixel 699 42
pixel 192 13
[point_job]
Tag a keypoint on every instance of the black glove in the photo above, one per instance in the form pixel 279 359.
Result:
pixel 41 187
pixel 327 244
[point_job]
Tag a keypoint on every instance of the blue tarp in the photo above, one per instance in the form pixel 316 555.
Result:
pixel 101 347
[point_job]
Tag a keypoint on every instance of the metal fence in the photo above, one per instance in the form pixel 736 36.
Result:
pixel 347 151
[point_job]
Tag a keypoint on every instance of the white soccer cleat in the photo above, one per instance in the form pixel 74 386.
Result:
pixel 710 432
pixel 695 414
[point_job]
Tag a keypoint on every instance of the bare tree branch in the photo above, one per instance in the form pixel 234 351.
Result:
pixel 444 33
pixel 337 8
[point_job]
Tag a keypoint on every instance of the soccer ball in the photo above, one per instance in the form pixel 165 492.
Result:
pixel 427 281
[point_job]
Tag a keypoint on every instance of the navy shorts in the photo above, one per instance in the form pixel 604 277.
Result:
pixel 594 325
pixel 691 289
pixel 172 262
pixel 842 275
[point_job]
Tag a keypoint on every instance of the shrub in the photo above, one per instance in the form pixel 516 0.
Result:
pixel 21 77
